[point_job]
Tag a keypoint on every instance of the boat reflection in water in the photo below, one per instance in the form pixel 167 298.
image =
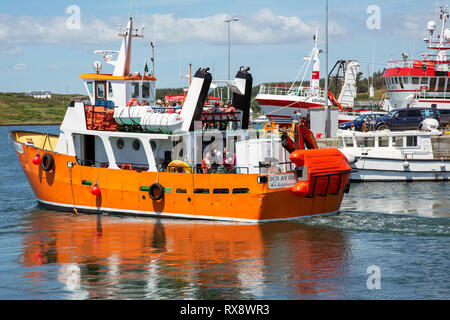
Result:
pixel 111 257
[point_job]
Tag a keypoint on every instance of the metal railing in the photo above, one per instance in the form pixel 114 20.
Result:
pixel 289 89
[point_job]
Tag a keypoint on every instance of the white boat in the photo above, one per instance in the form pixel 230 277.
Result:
pixel 279 101
pixel 397 156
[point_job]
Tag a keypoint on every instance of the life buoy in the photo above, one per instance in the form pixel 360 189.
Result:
pixel 159 191
pixel 179 166
pixel 47 162
pixel 132 101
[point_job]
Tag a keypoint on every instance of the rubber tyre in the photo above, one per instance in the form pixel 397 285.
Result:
pixel 47 162
pixel 160 191
pixel 382 127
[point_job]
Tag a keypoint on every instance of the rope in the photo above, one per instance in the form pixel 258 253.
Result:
pixel 69 166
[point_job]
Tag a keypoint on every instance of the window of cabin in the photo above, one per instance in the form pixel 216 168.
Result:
pixel 383 142
pixel 432 84
pixel 411 141
pixel 396 80
pixel 397 142
pixel 348 142
pixel 110 90
pixel 134 90
pixel 90 88
pixel 415 80
pixel 146 90
pixel 424 80
pixel 365 142
pixel 405 80
pixel 101 91
pixel 441 84
pixel 401 82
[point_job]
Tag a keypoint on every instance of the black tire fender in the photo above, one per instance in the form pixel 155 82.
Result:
pixel 160 193
pixel 47 162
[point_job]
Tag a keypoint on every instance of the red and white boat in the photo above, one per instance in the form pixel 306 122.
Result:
pixel 423 82
pixel 278 101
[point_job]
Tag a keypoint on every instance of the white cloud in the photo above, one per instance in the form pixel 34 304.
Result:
pixel 52 67
pixel 10 50
pixel 20 67
pixel 262 27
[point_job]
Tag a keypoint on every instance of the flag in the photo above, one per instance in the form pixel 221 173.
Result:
pixel 146 67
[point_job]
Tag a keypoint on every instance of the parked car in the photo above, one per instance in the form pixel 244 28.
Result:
pixel 358 122
pixel 445 117
pixel 405 119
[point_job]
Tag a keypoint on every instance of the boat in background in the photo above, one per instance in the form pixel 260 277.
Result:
pixel 397 155
pixel 422 82
pixel 279 101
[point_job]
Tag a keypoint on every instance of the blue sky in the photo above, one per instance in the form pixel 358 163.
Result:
pixel 39 52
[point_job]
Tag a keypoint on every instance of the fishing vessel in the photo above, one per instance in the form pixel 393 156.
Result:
pixel 397 155
pixel 279 101
pixel 423 82
pixel 118 153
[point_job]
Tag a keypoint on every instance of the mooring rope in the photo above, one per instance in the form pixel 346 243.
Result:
pixel 69 166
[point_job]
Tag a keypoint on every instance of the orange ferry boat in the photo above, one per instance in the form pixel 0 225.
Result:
pixel 119 153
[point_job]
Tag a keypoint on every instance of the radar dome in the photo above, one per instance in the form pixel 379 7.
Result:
pixel 431 26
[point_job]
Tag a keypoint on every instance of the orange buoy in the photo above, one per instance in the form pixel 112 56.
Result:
pixel 96 190
pixel 37 159
pixel 298 157
pixel 429 64
pixel 300 189
pixel 418 64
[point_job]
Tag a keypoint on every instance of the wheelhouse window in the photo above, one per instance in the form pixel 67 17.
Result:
pixel 406 80
pixel 110 90
pixel 101 91
pixel 415 80
pixel 134 90
pixel 146 90
pixel 424 80
pixel 90 88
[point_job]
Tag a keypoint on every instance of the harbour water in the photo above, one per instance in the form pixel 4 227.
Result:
pixel 390 241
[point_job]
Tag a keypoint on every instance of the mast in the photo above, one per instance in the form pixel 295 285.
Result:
pixel 327 110
pixel 315 78
pixel 123 64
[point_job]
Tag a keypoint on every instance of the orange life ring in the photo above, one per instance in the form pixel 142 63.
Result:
pixel 131 101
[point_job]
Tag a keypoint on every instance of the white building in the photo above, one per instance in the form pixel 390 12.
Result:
pixel 40 94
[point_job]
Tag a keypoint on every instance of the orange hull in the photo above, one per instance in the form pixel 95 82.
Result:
pixel 125 192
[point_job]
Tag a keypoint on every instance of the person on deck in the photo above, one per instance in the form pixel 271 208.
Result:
pixel 296 117
pixel 177 107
